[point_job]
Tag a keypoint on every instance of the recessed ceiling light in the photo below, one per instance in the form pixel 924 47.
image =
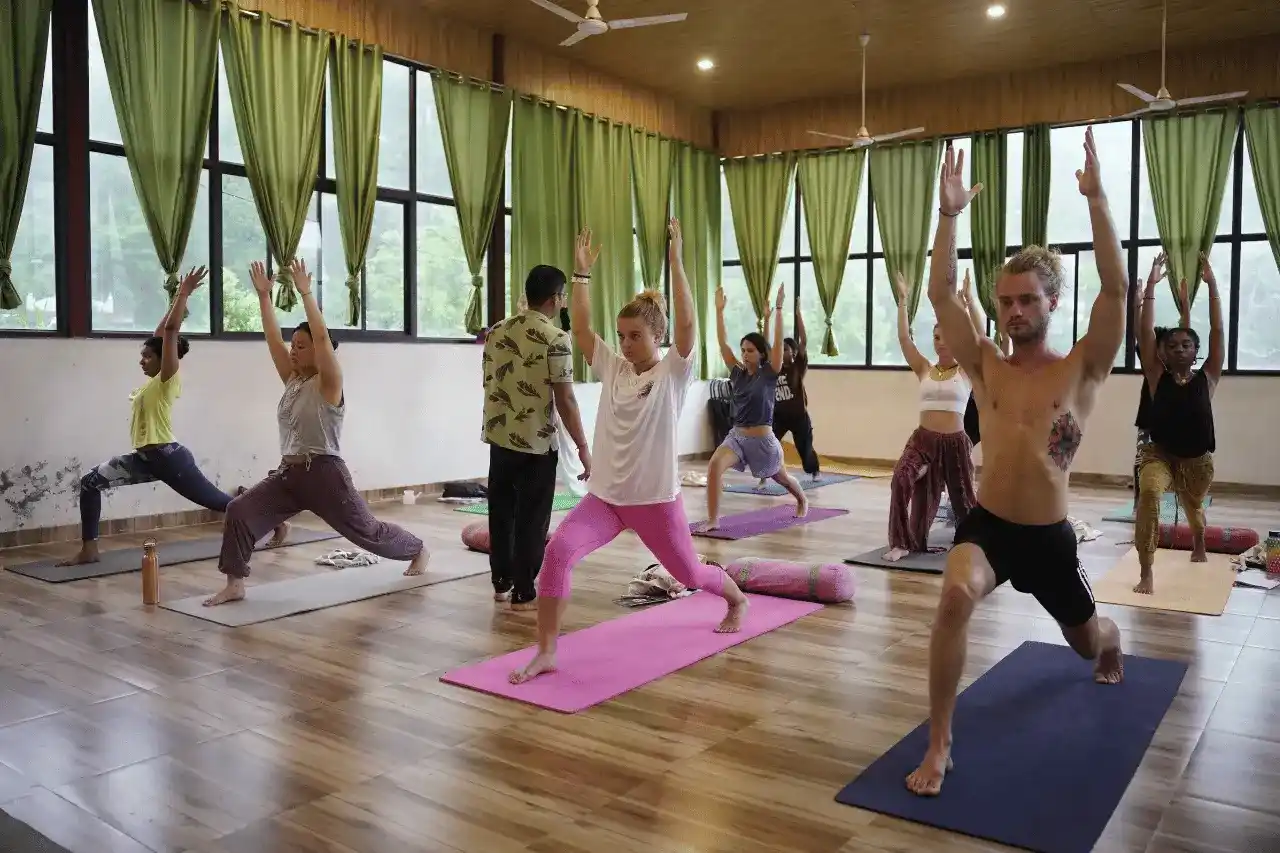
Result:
pixel 995 11
pixel 705 65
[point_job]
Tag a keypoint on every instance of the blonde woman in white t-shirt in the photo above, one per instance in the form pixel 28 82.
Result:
pixel 635 481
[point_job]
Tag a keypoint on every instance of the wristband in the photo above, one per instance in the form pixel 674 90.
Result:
pixel 944 213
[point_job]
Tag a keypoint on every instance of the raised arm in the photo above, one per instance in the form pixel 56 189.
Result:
pixel 915 359
pixel 802 336
pixel 172 323
pixel 270 327
pixel 685 334
pixel 726 352
pixel 970 299
pixel 584 258
pixel 326 359
pixel 775 346
pixel 1212 366
pixel 953 198
pixel 1100 344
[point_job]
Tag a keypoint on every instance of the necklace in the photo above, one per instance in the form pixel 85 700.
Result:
pixel 1182 380
pixel 942 374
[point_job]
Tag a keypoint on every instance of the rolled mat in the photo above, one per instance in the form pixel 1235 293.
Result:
pixel 1217 540
pixel 476 536
pixel 827 583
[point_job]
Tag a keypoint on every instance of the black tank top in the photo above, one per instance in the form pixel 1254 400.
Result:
pixel 1143 420
pixel 1181 416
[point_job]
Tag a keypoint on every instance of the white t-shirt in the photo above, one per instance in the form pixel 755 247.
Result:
pixel 633 454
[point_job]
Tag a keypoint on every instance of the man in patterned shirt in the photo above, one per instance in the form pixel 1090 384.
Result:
pixel 528 375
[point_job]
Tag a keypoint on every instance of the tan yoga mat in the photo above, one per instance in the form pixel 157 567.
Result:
pixel 1180 585
pixel 265 602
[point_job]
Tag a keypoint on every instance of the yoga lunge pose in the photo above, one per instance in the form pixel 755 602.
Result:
pixel 635 484
pixel 939 452
pixel 751 444
pixel 1143 419
pixel 528 386
pixel 1180 422
pixel 791 402
pixel 312 475
pixel 156 454
pixel 1035 404
pixel 974 306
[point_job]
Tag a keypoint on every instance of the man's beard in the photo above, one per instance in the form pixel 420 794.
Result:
pixel 1030 332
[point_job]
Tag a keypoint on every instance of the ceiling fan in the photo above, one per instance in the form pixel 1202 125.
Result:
pixel 1162 101
pixel 864 139
pixel 593 25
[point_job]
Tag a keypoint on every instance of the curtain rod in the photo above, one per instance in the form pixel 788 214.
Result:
pixel 230 7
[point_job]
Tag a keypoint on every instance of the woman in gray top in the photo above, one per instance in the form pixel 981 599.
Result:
pixel 751 443
pixel 312 475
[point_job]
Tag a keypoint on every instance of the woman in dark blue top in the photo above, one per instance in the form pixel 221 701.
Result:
pixel 1179 421
pixel 751 443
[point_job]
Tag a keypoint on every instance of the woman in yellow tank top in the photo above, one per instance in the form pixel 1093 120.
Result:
pixel 156 454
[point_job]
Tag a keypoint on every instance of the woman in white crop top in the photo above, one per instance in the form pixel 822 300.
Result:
pixel 939 452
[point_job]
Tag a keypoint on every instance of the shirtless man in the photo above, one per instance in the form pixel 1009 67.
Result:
pixel 1033 406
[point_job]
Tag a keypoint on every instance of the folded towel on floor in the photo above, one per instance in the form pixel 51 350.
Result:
pixel 340 559
pixel 693 478
pixel 1084 532
pixel 655 584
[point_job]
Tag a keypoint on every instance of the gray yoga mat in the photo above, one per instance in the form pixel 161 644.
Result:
pixel 929 562
pixel 119 561
pixel 806 482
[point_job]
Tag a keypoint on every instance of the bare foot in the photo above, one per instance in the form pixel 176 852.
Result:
pixel 762 485
pixel 233 591
pixel 88 553
pixel 732 622
pixel 1146 584
pixel 279 535
pixel 802 506
pixel 1198 551
pixel 709 524
pixel 519 606
pixel 1110 666
pixel 926 780
pixel 419 564
pixel 542 662
pixel 893 555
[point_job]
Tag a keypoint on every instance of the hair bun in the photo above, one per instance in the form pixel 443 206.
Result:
pixel 654 297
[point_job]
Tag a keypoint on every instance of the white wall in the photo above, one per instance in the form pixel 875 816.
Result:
pixel 413 416
pixel 869 414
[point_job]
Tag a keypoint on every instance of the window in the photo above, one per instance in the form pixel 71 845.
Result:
pixel 393 129
pixel 1258 347
pixel 444 282
pixel 1068 212
pixel 127 283
pixel 384 269
pixel 849 321
pixel 244 242
pixel 34 250
pixel 1250 209
pixel 229 150
pixel 433 168
pixel 1013 188
pixel 728 237
pixel 739 316
pixel 44 123
pixel 1088 286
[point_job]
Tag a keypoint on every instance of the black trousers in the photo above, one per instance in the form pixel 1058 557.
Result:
pixel 801 429
pixel 522 490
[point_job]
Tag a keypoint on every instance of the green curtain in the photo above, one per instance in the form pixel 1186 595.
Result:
pixel 602 202
pixel 829 184
pixel 1036 180
pixel 24 38
pixel 355 104
pixel 542 216
pixel 652 157
pixel 275 75
pixel 697 206
pixel 1262 130
pixel 474 119
pixel 989 212
pixel 759 195
pixel 903 181
pixel 1187 162
pixel 162 61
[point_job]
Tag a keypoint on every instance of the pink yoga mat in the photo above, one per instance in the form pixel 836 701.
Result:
pixel 608 659
pixel 768 520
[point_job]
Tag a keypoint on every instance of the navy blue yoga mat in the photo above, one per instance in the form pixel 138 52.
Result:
pixel 1042 753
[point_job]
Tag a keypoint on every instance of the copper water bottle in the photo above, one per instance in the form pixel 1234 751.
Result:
pixel 150 573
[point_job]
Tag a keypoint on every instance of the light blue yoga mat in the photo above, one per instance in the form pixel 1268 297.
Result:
pixel 1169 509
pixel 806 482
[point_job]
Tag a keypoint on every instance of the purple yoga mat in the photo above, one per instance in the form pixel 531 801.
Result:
pixel 769 520
pixel 610 658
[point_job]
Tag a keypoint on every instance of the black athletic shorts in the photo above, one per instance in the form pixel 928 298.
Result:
pixel 1039 559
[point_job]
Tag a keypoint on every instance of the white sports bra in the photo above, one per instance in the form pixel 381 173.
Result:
pixel 949 395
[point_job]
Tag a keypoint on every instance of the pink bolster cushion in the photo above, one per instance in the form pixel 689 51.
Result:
pixel 828 583
pixel 1217 540
pixel 476 536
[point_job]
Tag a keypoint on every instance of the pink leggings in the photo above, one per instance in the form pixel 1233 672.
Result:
pixel 592 524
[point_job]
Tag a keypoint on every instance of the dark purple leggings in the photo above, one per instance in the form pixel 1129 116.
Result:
pixel 323 486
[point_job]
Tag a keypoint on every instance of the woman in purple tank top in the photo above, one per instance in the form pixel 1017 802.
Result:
pixel 751 443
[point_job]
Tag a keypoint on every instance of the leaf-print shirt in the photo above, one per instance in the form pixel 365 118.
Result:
pixel 523 357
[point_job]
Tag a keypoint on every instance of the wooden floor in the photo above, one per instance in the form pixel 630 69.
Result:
pixel 125 729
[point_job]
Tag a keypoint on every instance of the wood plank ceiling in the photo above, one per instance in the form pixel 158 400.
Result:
pixel 774 51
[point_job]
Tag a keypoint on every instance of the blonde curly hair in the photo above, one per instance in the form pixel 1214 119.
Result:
pixel 651 307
